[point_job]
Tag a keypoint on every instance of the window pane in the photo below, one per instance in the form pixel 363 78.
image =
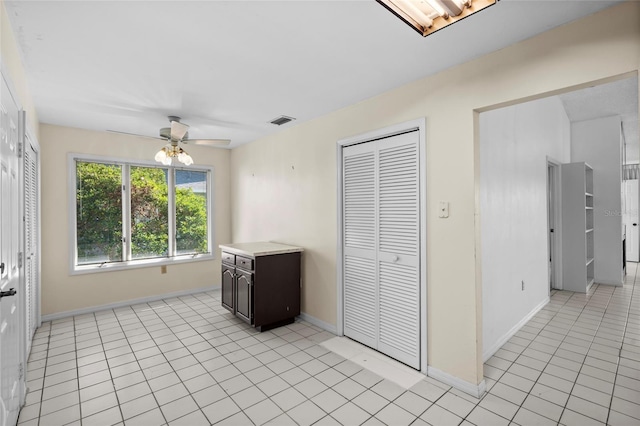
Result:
pixel 191 212
pixel 98 212
pixel 149 212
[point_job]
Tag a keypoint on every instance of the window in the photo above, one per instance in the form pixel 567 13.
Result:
pixel 132 214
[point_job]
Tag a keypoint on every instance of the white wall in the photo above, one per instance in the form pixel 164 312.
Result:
pixel 597 142
pixel 514 145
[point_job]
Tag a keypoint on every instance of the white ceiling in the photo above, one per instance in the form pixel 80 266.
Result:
pixel 229 67
pixel 617 98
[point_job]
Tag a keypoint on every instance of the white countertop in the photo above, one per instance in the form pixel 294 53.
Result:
pixel 259 248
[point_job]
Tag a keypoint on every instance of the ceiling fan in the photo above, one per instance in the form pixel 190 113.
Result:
pixel 178 132
pixel 174 135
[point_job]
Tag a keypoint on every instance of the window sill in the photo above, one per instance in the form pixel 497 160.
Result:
pixel 136 264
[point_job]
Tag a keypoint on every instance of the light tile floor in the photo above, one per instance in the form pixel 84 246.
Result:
pixel 187 361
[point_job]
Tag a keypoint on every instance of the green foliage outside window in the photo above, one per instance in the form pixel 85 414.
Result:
pixel 191 215
pixel 99 213
pixel 149 213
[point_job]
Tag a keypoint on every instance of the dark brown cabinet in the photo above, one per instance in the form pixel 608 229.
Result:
pixel 262 288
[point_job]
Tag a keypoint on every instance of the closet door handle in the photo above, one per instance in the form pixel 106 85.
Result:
pixel 11 292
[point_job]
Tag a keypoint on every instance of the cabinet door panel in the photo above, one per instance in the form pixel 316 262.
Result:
pixel 228 293
pixel 244 295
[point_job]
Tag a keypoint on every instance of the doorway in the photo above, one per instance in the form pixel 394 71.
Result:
pixel 632 242
pixel 554 222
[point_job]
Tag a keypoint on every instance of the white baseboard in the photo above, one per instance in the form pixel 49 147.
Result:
pixel 609 282
pixel 474 390
pixel 488 353
pixel 318 323
pixel 154 298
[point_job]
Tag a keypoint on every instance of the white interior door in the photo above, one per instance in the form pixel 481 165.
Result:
pixel 381 250
pixel 10 322
pixel 551 222
pixel 554 225
pixel 631 220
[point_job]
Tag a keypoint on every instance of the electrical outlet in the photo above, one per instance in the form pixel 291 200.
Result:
pixel 522 285
pixel 163 269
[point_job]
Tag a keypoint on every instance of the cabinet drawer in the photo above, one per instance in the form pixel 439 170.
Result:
pixel 228 258
pixel 244 262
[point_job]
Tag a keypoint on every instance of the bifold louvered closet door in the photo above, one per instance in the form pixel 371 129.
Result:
pixel 31 239
pixel 381 238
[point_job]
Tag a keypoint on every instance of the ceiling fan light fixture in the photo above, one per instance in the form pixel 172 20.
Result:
pixel 161 155
pixel 171 151
pixel 185 158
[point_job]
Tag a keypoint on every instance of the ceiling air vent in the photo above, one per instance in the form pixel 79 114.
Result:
pixel 283 119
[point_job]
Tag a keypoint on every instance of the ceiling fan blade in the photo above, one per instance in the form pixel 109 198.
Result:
pixel 135 134
pixel 207 142
pixel 178 130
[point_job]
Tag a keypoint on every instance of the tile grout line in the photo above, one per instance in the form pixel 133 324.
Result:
pixel 44 376
pixel 179 314
pixel 555 312
pixel 137 361
pixel 549 321
pixel 75 344
pixel 153 393
pixel 587 353
pixel 615 377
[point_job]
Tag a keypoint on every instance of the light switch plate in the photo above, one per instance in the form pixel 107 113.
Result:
pixel 443 209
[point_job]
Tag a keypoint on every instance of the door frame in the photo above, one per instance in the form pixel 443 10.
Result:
pixel 557 216
pixel 407 126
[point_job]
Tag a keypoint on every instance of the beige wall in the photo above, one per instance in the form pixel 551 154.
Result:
pixel 12 65
pixel 284 186
pixel 62 292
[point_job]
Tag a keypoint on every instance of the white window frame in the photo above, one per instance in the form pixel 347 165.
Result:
pixel 75 269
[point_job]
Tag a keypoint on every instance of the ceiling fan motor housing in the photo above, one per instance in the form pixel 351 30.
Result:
pixel 165 133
